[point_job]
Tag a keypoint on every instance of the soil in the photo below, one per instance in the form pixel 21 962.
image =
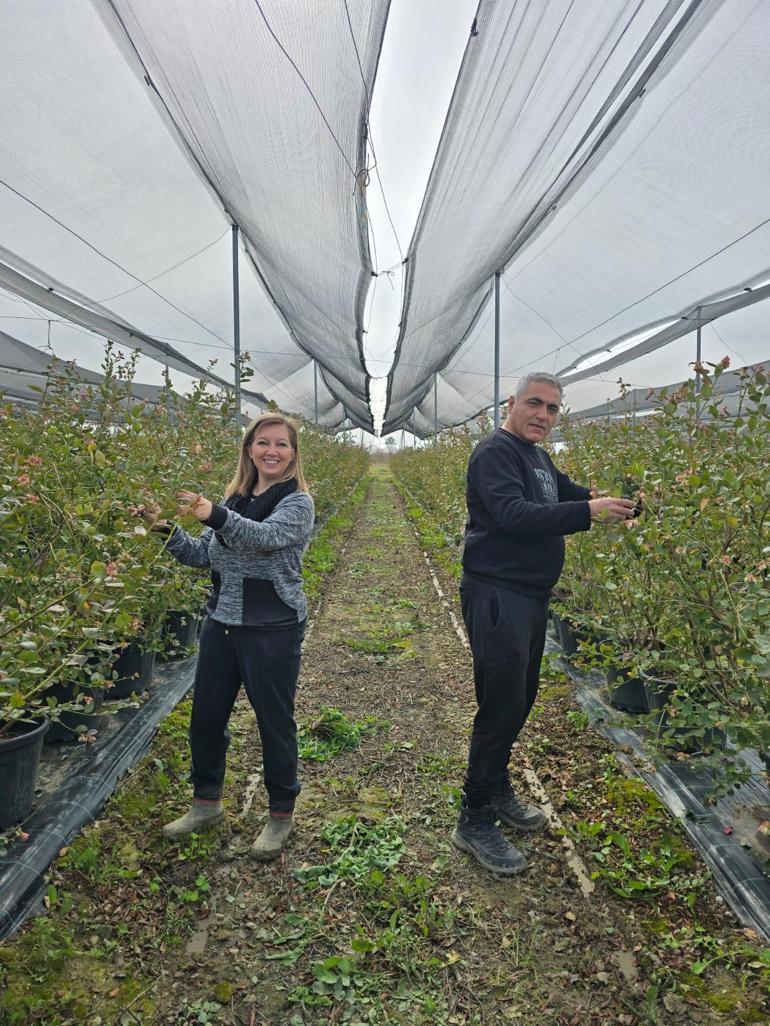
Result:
pixel 370 915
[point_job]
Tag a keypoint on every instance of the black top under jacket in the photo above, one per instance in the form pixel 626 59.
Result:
pixel 519 509
pixel 262 606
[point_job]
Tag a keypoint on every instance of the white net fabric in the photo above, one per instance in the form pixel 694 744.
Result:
pixel 25 373
pixel 118 191
pixel 640 401
pixel 613 159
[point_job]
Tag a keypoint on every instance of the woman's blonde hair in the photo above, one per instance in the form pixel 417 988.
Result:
pixel 247 475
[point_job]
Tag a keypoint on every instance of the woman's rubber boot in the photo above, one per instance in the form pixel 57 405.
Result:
pixel 202 816
pixel 272 840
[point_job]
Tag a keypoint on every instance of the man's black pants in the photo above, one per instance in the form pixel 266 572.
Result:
pixel 267 664
pixel 506 631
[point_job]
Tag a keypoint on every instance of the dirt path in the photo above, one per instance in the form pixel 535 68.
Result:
pixel 371 916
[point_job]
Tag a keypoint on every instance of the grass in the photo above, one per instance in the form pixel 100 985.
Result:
pixel 331 734
pixel 323 552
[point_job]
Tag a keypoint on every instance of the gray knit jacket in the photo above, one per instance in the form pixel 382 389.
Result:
pixel 241 550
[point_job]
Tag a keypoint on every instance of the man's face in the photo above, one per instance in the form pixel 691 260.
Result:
pixel 532 416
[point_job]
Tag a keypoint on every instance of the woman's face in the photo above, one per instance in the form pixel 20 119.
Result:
pixel 271 452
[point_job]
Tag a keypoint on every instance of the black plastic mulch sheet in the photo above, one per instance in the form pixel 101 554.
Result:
pixel 682 788
pixel 82 795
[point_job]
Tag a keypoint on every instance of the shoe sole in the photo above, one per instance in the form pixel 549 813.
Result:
pixel 520 826
pixel 202 828
pixel 262 855
pixel 462 845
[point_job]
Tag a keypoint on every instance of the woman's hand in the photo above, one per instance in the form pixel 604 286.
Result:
pixel 149 511
pixel 192 502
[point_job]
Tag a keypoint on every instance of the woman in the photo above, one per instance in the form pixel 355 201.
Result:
pixel 255 623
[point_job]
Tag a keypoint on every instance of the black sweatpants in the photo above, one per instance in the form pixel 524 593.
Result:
pixel 506 631
pixel 267 664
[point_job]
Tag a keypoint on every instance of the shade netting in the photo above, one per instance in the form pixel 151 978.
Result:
pixel 26 373
pixel 611 160
pixel 133 135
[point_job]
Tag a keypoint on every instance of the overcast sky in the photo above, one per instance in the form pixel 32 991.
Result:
pixel 422 51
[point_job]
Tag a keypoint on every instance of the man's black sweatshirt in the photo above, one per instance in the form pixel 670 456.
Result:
pixel 519 509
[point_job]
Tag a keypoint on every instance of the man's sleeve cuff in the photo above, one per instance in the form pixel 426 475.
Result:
pixel 218 517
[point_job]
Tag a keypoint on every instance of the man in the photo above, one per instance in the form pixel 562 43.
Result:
pixel 519 509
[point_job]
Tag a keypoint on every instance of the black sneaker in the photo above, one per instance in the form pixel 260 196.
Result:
pixel 477 834
pixel 514 811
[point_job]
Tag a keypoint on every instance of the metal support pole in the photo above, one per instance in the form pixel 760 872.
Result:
pixel 315 388
pixel 497 350
pixel 402 438
pixel 435 408
pixel 236 328
pixel 414 428
pixel 697 369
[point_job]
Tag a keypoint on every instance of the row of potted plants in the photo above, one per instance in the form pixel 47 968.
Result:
pixel 88 595
pixel 675 607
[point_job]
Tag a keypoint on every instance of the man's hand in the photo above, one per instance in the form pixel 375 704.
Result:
pixel 611 511
pixel 191 502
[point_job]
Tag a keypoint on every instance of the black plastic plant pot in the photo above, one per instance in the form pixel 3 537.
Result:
pixel 627 693
pixel 134 668
pixel 659 693
pixel 568 637
pixel 19 759
pixel 180 629
pixel 72 722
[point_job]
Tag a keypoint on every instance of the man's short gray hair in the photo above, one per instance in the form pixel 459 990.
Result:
pixel 543 378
